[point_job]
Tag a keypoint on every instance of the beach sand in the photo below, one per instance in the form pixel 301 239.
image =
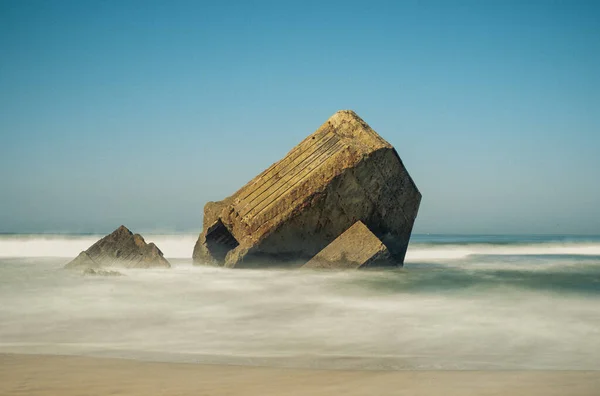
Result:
pixel 73 375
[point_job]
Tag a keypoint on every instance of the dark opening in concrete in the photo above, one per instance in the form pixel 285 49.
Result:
pixel 219 241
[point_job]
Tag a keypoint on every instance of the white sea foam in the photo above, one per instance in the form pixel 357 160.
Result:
pixel 181 246
pixel 417 253
pixel 172 246
pixel 402 319
pixel 477 307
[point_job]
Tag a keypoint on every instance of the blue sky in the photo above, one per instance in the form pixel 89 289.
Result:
pixel 138 112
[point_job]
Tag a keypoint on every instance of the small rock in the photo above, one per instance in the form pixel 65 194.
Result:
pixel 121 248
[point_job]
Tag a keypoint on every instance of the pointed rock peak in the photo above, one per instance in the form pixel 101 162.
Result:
pixel 122 230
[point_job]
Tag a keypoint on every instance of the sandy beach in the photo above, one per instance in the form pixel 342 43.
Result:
pixel 72 375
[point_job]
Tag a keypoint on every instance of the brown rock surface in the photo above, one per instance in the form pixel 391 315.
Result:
pixel 121 248
pixel 356 248
pixel 342 173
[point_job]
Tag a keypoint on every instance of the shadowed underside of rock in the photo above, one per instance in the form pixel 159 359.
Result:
pixel 342 173
pixel 121 248
pixel 356 248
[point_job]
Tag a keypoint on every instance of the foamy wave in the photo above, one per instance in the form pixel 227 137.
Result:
pixel 460 320
pixel 421 253
pixel 181 247
pixel 172 246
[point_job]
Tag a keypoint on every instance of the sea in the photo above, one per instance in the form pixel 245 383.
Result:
pixel 461 302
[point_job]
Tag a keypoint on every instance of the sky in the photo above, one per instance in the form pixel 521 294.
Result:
pixel 138 112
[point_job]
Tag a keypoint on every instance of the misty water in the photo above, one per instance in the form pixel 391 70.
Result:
pixel 473 302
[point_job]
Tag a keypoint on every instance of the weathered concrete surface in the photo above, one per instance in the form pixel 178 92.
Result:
pixel 342 173
pixel 121 248
pixel 356 248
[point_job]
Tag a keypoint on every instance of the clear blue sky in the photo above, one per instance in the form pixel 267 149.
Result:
pixel 139 112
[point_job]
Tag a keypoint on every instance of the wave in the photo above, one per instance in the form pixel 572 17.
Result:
pixel 52 245
pixel 180 246
pixel 419 319
pixel 426 252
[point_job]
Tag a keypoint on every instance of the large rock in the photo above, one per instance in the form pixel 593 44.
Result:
pixel 356 248
pixel 121 248
pixel 342 173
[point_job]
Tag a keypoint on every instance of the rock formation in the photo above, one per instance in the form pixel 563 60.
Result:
pixel 342 173
pixel 356 248
pixel 121 248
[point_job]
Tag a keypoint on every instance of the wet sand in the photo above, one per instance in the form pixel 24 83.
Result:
pixel 72 375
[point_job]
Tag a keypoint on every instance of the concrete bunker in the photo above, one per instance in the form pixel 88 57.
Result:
pixel 342 173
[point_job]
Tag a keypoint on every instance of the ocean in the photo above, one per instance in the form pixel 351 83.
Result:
pixel 460 303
